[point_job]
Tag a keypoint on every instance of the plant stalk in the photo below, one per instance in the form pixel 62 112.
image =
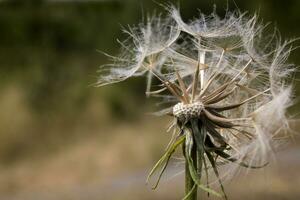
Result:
pixel 189 182
pixel 197 158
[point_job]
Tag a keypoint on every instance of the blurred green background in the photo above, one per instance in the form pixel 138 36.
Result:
pixel 62 138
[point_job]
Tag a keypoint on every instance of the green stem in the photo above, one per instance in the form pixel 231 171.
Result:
pixel 197 154
pixel 189 182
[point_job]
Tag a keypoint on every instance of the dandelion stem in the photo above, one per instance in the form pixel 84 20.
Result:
pixel 190 189
pixel 196 159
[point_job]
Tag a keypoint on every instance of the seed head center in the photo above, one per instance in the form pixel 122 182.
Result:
pixel 187 111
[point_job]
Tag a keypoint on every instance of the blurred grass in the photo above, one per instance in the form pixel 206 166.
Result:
pixel 60 137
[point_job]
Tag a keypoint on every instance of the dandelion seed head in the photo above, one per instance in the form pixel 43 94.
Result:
pixel 223 75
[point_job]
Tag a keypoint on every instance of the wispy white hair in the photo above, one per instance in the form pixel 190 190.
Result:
pixel 145 42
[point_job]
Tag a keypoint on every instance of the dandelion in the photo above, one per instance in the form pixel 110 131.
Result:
pixel 226 84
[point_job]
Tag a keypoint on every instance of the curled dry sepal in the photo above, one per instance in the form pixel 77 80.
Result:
pixel 225 84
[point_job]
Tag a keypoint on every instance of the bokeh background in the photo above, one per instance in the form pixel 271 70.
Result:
pixel 62 138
